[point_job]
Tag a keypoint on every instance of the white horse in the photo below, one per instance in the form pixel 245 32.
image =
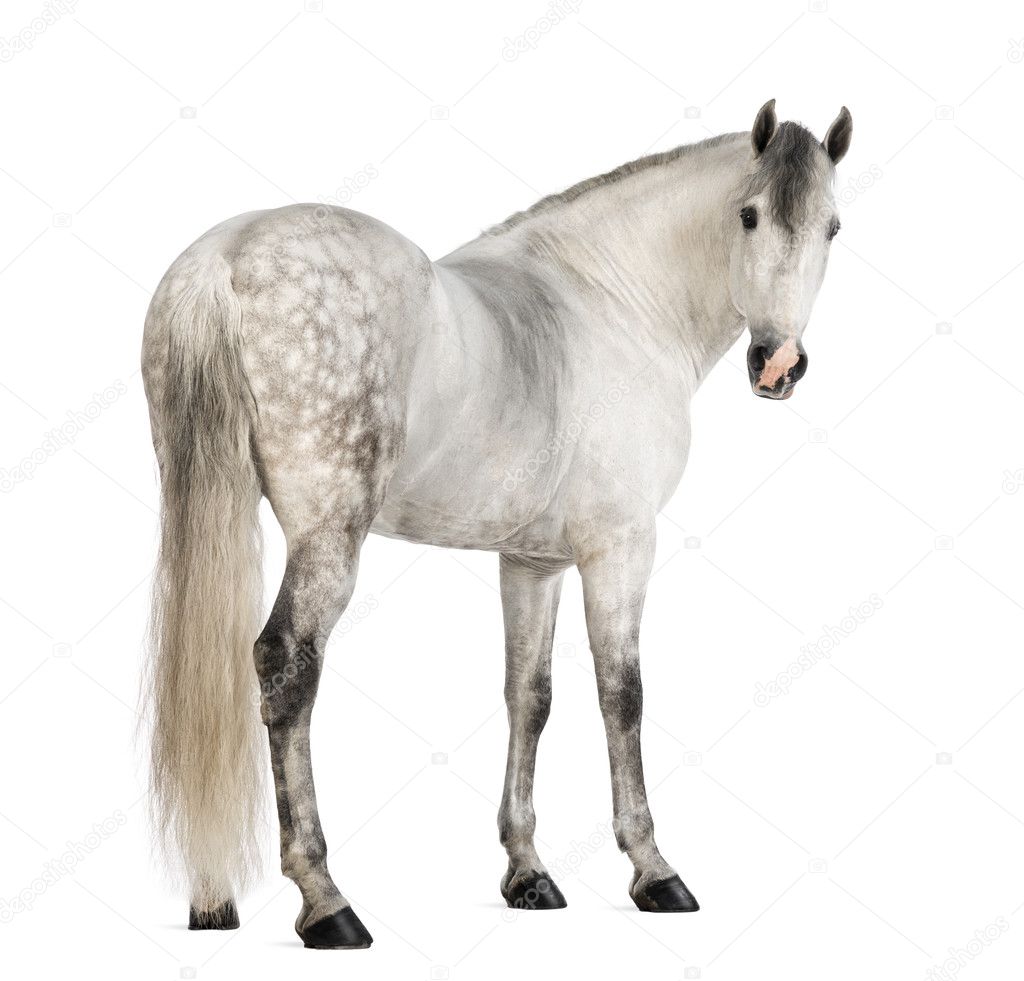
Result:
pixel 528 394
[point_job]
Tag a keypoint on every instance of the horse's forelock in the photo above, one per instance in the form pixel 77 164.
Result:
pixel 790 169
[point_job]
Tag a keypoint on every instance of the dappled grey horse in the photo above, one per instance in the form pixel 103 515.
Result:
pixel 528 394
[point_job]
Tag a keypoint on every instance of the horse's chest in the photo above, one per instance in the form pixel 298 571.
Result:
pixel 640 452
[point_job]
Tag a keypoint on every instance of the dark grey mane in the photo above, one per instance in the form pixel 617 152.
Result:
pixel 623 170
pixel 788 170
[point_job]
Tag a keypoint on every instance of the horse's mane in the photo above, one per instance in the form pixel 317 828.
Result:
pixel 786 170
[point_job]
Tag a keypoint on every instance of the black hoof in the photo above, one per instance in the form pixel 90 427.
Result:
pixel 536 891
pixel 667 896
pixel 223 917
pixel 341 931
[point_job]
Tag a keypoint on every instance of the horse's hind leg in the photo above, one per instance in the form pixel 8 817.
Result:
pixel 324 537
pixel 529 598
pixel 318 582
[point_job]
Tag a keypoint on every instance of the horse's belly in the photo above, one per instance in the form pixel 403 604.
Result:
pixel 469 500
pixel 429 524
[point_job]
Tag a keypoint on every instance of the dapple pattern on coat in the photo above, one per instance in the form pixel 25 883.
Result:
pixel 314 356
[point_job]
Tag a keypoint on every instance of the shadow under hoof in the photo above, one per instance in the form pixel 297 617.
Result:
pixel 534 892
pixel 341 931
pixel 223 917
pixel 667 896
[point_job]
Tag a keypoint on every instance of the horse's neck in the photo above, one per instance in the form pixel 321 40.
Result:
pixel 654 243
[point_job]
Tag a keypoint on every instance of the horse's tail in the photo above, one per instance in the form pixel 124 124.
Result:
pixel 207 747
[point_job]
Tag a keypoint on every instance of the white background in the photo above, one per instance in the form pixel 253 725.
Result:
pixel 863 823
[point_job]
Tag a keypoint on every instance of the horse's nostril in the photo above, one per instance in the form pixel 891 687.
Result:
pixel 757 355
pixel 799 369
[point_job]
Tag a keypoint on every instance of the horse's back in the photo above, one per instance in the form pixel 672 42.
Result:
pixel 306 273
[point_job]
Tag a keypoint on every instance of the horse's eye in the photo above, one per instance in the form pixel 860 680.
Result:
pixel 833 230
pixel 749 218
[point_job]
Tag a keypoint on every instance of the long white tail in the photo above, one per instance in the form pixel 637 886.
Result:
pixel 207 743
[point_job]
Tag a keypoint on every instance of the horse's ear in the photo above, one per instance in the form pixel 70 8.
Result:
pixel 837 139
pixel 764 127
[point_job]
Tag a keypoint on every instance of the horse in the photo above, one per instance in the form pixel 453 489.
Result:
pixel 528 394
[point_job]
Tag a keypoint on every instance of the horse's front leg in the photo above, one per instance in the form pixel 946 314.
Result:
pixel 529 598
pixel 614 585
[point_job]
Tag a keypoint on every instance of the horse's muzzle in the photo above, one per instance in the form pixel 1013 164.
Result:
pixel 775 369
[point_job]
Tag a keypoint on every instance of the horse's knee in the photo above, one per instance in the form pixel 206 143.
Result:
pixel 289 675
pixel 621 693
pixel 529 701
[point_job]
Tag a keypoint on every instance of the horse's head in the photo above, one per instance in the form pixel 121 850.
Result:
pixel 785 218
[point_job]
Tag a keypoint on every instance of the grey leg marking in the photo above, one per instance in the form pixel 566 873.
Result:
pixel 529 597
pixel 614 586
